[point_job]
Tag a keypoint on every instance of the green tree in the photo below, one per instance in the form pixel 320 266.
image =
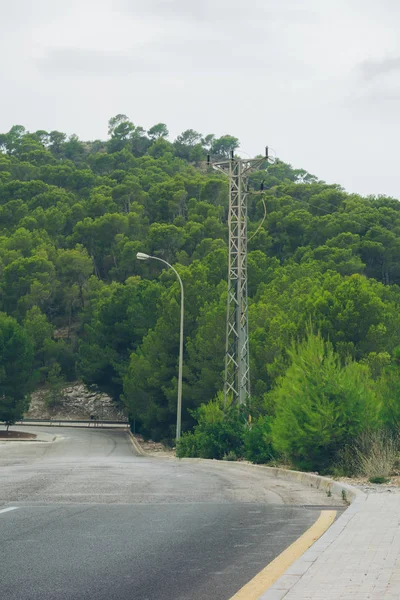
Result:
pixel 16 359
pixel 74 214
pixel 121 319
pixel 223 146
pixel 389 389
pixel 321 406
pixel 158 131
pixel 74 267
pixel 40 331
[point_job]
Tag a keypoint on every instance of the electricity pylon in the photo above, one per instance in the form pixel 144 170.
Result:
pixel 237 366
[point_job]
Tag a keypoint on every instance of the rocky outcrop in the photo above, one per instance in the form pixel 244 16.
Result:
pixel 75 401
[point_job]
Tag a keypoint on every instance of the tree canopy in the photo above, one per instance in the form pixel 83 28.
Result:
pixel 74 213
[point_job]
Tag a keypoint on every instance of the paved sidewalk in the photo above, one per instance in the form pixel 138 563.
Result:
pixel 358 558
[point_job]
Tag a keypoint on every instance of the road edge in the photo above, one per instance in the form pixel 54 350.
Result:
pixel 351 495
pixel 343 491
pixel 276 568
pixel 354 498
pixel 139 450
pixel 41 438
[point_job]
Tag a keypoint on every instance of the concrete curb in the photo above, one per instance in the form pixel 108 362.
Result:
pixel 295 572
pixel 340 490
pixel 136 444
pixel 4 441
pixel 353 496
pixel 343 491
pixel 346 492
pixel 41 438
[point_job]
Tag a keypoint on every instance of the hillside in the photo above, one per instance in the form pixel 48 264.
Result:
pixel 74 214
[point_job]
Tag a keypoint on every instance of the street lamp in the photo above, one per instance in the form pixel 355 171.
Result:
pixel 142 256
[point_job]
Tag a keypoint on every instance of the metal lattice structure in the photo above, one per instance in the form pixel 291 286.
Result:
pixel 237 366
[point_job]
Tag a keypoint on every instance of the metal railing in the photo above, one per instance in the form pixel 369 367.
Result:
pixel 72 422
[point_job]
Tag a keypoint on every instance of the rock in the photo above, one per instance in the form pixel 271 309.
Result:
pixel 76 402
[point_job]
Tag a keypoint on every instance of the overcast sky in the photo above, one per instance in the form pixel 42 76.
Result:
pixel 317 80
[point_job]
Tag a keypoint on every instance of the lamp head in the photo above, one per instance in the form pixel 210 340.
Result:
pixel 142 256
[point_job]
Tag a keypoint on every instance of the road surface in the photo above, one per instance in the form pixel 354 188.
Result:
pixel 85 518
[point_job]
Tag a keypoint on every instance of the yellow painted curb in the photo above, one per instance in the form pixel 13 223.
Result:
pixel 136 445
pixel 271 573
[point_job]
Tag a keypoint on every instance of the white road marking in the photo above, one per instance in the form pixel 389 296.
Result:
pixel 4 510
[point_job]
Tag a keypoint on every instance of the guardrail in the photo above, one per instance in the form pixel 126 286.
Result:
pixel 72 422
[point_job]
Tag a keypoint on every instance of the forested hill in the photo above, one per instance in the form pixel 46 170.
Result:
pixel 74 214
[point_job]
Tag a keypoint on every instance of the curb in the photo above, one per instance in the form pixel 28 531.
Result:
pixel 19 440
pixel 354 497
pixel 344 491
pixel 351 495
pixel 279 565
pixel 136 444
pixel 38 440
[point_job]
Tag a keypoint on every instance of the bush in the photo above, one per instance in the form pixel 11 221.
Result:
pixel 258 442
pixel 230 457
pixel 321 406
pixel 218 432
pixel 379 480
pixel 186 446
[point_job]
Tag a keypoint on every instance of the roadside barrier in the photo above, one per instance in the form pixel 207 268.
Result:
pixel 71 423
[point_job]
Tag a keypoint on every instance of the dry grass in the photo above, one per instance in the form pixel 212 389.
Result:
pixel 376 454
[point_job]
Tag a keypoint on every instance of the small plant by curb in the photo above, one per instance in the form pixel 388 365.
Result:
pixel 378 480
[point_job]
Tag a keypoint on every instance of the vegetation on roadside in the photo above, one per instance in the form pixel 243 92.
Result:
pixel 323 415
pixel 324 293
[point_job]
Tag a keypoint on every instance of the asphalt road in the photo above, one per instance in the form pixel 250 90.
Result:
pixel 91 520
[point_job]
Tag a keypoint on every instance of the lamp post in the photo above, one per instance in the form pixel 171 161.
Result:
pixel 142 256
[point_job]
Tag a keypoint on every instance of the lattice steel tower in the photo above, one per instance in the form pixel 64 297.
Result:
pixel 237 367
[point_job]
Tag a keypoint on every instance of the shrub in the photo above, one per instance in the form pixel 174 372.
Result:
pixel 231 456
pixel 186 446
pixel 258 443
pixel 379 480
pixel 218 432
pixel 320 406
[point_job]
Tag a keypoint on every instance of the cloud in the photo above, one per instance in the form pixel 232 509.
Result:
pixel 372 69
pixel 204 11
pixel 210 12
pixel 177 55
pixel 180 37
pixel 83 61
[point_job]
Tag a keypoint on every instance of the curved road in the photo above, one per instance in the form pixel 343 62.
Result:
pixel 84 518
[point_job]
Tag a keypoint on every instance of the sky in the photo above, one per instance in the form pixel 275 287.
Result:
pixel 316 80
